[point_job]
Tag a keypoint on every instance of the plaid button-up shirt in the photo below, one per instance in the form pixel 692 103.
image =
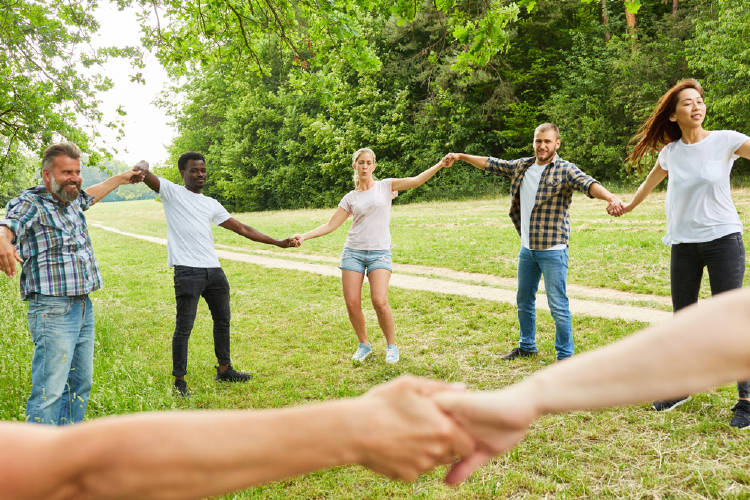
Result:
pixel 550 217
pixel 53 240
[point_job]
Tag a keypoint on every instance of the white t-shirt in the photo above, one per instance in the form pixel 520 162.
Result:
pixel 529 187
pixel 189 217
pixel 371 214
pixel 699 198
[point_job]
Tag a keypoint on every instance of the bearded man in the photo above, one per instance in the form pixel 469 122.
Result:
pixel 541 190
pixel 45 230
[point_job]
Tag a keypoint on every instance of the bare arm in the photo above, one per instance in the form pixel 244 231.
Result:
pixel 614 205
pixel 744 151
pixel 654 177
pixel 395 429
pixel 8 253
pixel 251 233
pixel 338 218
pixel 418 180
pixel 660 362
pixel 478 161
pixel 152 181
pixel 99 191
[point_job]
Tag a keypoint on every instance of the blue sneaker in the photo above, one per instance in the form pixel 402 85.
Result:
pixel 362 352
pixel 391 354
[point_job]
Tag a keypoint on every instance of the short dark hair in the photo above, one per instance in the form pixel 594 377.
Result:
pixel 185 157
pixel 62 149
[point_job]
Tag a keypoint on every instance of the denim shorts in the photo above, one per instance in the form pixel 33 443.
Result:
pixel 359 260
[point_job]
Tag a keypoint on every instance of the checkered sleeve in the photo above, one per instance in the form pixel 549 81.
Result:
pixel 503 168
pixel 579 179
pixel 19 213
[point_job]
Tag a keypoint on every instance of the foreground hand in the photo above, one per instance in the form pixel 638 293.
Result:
pixel 141 169
pixel 615 207
pixel 401 432
pixel 8 257
pixel 298 239
pixel 496 420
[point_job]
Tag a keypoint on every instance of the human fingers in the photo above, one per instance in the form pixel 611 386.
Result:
pixel 462 469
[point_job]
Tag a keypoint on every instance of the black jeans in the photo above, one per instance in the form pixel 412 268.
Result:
pixel 190 284
pixel 725 259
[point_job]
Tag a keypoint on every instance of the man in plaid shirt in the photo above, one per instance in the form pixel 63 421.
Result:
pixel 541 190
pixel 45 229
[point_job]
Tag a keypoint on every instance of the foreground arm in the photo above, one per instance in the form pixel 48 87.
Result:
pixel 338 218
pixel 660 362
pixel 251 233
pixel 8 253
pixel 395 429
pixel 418 180
pixel 99 191
pixel 614 205
pixel 744 150
pixel 654 177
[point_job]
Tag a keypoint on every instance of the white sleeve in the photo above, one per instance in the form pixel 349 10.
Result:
pixel 220 214
pixel 734 141
pixel 346 203
pixel 166 189
pixel 663 154
pixel 388 183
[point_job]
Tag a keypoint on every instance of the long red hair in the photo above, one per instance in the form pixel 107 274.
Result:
pixel 658 130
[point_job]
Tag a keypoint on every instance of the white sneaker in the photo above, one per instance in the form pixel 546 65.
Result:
pixel 362 352
pixel 391 354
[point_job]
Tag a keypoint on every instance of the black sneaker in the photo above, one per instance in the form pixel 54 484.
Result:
pixel 232 375
pixel 741 418
pixel 670 404
pixel 518 352
pixel 181 387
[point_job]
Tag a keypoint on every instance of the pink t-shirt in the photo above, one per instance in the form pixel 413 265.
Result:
pixel 371 214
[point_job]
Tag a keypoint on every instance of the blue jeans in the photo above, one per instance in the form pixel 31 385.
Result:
pixel 62 329
pixel 365 260
pixel 553 265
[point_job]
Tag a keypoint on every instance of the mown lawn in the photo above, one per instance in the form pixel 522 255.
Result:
pixel 291 330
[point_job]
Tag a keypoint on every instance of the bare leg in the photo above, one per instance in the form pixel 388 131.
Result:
pixel 352 283
pixel 379 279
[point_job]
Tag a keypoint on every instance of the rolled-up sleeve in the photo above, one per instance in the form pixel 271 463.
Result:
pixel 19 214
pixel 581 180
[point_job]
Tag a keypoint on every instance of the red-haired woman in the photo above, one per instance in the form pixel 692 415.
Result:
pixel 703 227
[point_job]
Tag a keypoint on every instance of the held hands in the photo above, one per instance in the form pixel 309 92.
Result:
pixel 448 160
pixel 288 242
pixel 138 172
pixel 615 207
pixel 400 431
pixel 297 239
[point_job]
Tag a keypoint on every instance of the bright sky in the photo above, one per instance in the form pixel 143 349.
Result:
pixel 147 131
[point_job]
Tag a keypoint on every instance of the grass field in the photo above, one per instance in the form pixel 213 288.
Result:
pixel 291 331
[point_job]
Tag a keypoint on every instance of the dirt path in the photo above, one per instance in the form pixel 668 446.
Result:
pixel 602 302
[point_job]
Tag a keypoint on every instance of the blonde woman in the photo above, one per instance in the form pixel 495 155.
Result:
pixel 368 245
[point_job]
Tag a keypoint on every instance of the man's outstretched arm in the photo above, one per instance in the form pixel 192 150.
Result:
pixel 251 233
pixel 703 346
pixel 395 429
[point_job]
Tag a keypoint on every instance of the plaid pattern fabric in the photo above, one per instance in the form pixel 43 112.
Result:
pixel 53 240
pixel 550 217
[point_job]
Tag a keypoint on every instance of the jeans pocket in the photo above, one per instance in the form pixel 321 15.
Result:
pixel 47 305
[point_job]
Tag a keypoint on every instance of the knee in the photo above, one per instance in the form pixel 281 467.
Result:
pixel 380 304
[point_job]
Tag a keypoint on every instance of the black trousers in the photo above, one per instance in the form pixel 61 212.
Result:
pixel 725 259
pixel 190 284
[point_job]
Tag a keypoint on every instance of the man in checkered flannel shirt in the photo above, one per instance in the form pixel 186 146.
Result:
pixel 541 190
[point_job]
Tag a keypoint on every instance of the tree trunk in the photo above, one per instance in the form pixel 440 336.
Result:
pixel 605 21
pixel 630 19
pixel 675 3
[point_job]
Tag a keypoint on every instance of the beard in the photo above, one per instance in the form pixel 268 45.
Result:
pixel 62 193
pixel 547 157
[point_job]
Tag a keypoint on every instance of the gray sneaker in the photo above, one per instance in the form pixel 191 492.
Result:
pixel 670 404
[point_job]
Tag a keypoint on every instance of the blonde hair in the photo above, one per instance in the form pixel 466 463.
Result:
pixel 356 156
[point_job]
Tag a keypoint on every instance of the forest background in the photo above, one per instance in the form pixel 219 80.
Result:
pixel 278 94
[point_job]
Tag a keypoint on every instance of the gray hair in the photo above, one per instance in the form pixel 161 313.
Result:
pixel 62 149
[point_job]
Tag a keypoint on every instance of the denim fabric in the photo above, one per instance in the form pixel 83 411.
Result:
pixel 725 259
pixel 62 367
pixel 190 284
pixel 359 260
pixel 553 265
